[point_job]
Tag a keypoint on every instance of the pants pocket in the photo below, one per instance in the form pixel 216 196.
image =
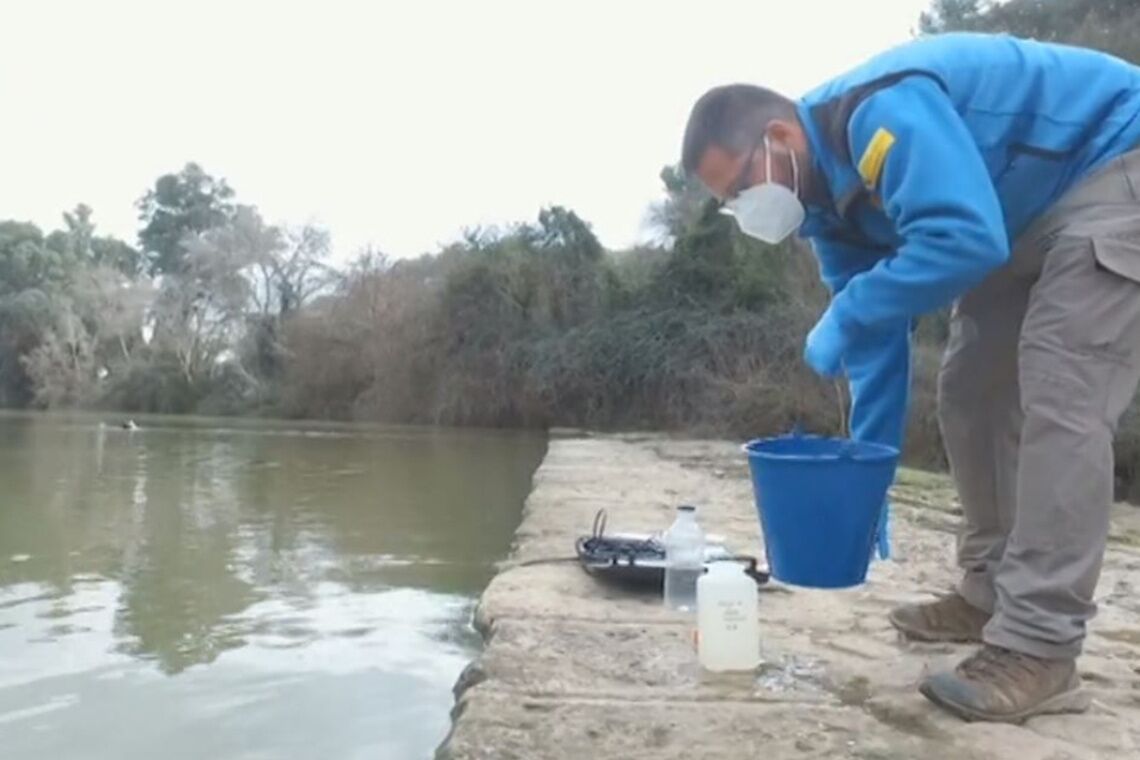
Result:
pixel 1120 255
pixel 1087 301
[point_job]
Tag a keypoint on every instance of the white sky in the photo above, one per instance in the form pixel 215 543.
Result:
pixel 396 123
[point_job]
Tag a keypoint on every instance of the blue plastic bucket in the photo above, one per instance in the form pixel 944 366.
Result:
pixel 820 501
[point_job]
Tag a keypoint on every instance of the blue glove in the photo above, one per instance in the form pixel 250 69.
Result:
pixel 825 346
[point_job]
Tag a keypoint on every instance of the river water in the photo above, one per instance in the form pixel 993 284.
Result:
pixel 232 589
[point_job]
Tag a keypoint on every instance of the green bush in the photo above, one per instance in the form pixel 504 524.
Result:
pixel 157 385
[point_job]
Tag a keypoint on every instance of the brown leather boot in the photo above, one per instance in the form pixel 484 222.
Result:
pixel 950 619
pixel 1000 685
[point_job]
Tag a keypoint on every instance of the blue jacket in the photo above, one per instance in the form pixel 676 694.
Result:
pixel 936 155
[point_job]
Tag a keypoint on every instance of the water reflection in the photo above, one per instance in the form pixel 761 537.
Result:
pixel 253 590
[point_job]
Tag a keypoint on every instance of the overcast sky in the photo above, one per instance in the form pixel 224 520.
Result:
pixel 395 123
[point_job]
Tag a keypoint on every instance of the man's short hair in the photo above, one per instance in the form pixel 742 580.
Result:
pixel 732 117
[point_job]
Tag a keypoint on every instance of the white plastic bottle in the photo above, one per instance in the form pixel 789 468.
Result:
pixel 684 560
pixel 728 623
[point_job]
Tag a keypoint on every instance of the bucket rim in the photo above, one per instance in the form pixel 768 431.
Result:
pixel 864 451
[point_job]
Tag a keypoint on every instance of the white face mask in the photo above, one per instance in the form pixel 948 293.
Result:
pixel 769 211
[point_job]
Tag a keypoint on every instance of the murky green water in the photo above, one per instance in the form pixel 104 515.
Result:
pixel 220 589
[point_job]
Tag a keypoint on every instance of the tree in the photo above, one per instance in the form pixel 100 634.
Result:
pixel 29 260
pixel 682 208
pixel 66 317
pixel 952 15
pixel 567 280
pixel 79 240
pixel 25 319
pixel 63 366
pixel 200 309
pixel 113 309
pixel 561 229
pixel 292 270
pixel 179 207
pixel 1109 25
pixel 701 265
pixel 79 232
pixel 34 276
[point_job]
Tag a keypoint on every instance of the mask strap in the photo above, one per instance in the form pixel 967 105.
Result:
pixel 768 166
pixel 767 159
pixel 795 174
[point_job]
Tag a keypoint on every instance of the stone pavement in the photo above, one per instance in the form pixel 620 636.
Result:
pixel 575 669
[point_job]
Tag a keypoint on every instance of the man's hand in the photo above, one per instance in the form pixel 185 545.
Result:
pixel 825 346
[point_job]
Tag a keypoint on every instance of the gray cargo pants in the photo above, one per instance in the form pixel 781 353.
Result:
pixel 1043 358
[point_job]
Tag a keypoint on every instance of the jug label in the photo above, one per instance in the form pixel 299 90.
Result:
pixel 731 614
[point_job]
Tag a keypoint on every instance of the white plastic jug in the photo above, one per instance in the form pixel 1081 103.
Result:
pixel 728 623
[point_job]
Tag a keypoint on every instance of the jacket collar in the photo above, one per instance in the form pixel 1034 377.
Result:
pixel 835 186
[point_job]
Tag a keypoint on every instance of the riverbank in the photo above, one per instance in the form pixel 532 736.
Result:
pixel 575 669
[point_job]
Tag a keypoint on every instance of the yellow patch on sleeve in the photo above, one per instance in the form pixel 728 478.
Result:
pixel 871 164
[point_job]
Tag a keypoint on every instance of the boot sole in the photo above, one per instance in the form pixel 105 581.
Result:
pixel 934 637
pixel 1074 701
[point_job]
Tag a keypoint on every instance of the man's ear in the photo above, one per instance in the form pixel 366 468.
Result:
pixel 787 133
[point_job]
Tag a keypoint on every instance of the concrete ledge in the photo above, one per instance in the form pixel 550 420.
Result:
pixel 576 669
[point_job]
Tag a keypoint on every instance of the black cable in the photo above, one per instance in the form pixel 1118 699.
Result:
pixel 599 550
